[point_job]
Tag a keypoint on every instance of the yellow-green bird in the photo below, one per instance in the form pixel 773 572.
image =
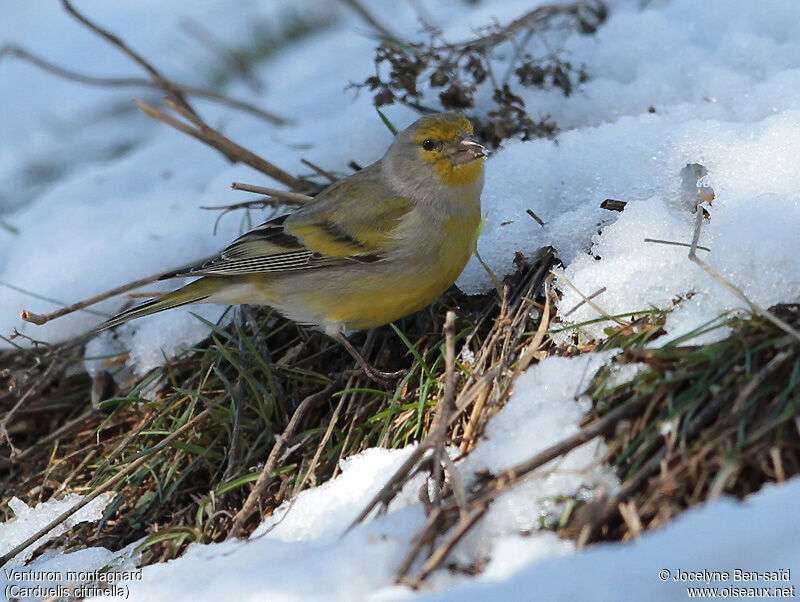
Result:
pixel 368 250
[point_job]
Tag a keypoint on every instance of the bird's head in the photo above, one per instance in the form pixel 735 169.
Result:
pixel 443 144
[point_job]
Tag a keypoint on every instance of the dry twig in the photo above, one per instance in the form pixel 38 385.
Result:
pixel 222 143
pixel 18 52
pixel 266 473
pixel 698 224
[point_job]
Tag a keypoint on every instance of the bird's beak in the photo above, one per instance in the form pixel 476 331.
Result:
pixel 467 149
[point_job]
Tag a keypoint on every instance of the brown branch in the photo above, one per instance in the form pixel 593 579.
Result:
pixel 233 59
pixel 446 406
pixel 224 145
pixel 15 51
pixel 40 384
pixel 40 319
pixel 114 40
pixel 530 19
pixel 588 300
pixel 440 553
pixel 266 473
pixel 291 197
pixel 501 483
pixel 698 224
pixel 324 173
pixel 513 476
pixel 370 18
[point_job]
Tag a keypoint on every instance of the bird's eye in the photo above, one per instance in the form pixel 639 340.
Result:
pixel 428 144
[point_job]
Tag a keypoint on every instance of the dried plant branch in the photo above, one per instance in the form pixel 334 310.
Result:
pixel 465 71
pixel 15 51
pixel 114 40
pixel 324 173
pixel 582 302
pixel 502 482
pixel 588 300
pixel 384 31
pixel 409 467
pixel 294 198
pixel 589 13
pixel 224 145
pixel 40 384
pixel 454 536
pixel 266 473
pixel 232 58
pixel 675 243
pixel 446 406
pixel 40 319
pixel 698 225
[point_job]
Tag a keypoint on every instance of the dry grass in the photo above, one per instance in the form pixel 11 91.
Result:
pixel 712 419
pixel 248 379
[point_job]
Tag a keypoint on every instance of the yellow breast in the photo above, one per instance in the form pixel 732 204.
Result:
pixel 375 299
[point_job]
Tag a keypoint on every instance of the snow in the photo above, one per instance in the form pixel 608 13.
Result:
pixel 760 534
pixel 28 521
pixel 101 195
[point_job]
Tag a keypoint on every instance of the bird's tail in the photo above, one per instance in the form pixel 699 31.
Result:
pixel 194 292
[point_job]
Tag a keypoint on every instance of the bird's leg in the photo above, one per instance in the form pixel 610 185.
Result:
pixel 370 370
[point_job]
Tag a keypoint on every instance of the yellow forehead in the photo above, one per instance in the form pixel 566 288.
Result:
pixel 442 127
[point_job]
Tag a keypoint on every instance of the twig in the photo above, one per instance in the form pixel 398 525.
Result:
pixel 41 382
pixel 28 451
pixel 15 51
pixel 162 82
pixel 438 556
pixel 323 442
pixel 224 145
pixel 674 243
pixel 426 535
pixel 291 197
pixel 40 319
pixel 562 276
pixel 266 473
pixel 580 303
pixel 544 322
pixel 130 468
pixel 401 475
pixel 325 174
pixel 516 474
pixel 262 202
pixel 238 401
pixel 535 217
pixel 369 18
pixel 501 483
pixel 698 224
pixel 529 19
pixel 447 405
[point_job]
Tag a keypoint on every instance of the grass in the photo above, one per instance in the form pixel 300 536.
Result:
pixel 700 420
pixel 252 375
pixel 717 418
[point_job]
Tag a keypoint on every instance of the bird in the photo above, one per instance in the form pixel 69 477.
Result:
pixel 367 250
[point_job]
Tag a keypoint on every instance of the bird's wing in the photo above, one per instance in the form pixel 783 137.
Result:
pixel 334 229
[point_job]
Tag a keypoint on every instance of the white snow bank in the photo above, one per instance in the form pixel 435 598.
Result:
pixel 302 552
pixel 757 535
pixel 28 521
